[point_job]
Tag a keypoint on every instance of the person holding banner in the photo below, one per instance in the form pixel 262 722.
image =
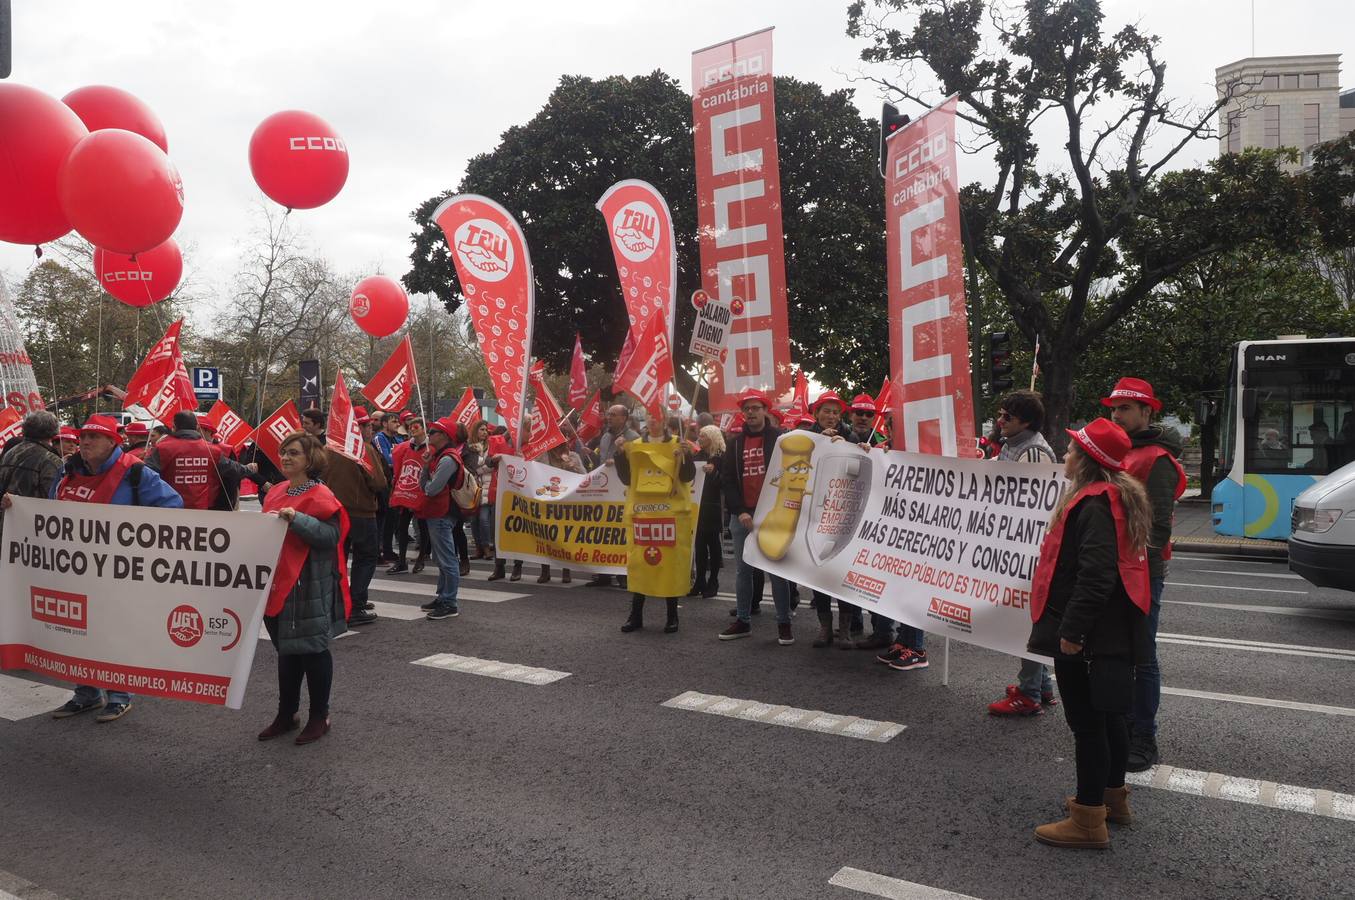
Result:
pixel 409 458
pixel 709 518
pixel 561 457
pixel 308 602
pixel 657 471
pixel 440 475
pixel 1089 605
pixel 497 444
pixel 28 468
pixel 482 523
pixel 102 473
pixel 618 430
pixel 827 412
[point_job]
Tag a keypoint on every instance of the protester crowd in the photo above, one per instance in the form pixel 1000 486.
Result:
pixel 1095 604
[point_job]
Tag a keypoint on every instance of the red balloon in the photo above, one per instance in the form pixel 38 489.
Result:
pixel 37 132
pixel 100 106
pixel 149 278
pixel 379 305
pixel 121 192
pixel 298 160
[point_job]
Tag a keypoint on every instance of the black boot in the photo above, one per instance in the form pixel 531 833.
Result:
pixel 517 571
pixel 672 624
pixel 637 614
pixel 497 574
pixel 712 586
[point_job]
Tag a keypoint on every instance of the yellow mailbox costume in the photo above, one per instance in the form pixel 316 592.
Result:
pixel 661 521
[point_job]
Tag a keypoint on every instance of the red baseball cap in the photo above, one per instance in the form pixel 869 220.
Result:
pixel 361 413
pixel 1103 441
pixel 804 418
pixel 751 394
pixel 405 416
pixel 863 403
pixel 104 425
pixel 68 433
pixel 447 425
pixel 1135 389
pixel 137 429
pixel 828 397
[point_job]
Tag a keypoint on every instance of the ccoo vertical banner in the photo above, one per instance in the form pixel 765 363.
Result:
pixel 738 192
pixel 928 330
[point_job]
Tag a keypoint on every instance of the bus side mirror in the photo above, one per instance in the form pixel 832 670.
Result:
pixel 1249 403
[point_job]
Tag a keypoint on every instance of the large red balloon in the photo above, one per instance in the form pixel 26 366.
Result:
pixel 100 106
pixel 379 305
pixel 121 192
pixel 37 132
pixel 298 160
pixel 149 278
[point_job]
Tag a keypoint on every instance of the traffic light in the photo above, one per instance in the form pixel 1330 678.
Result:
pixel 999 362
pixel 4 39
pixel 891 120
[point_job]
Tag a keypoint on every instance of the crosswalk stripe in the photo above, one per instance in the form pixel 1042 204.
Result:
pixel 1311 801
pixel 491 668
pixel 427 591
pixel 789 716
pixel 1261 701
pixel 890 888
pixel 21 698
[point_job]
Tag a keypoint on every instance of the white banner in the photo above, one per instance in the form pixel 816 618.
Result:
pixel 945 545
pixel 557 517
pixel 164 602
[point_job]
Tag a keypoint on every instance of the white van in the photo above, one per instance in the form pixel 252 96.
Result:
pixel 1322 536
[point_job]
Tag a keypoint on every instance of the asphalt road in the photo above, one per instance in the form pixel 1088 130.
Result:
pixel 443 783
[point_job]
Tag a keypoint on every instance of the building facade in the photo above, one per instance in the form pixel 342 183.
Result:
pixel 1283 101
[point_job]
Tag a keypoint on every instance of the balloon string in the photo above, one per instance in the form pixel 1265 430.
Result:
pixel 98 355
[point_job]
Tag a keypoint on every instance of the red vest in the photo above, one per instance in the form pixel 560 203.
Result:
pixel 320 503
pixel 496 445
pixel 437 506
pixel 407 461
pixel 189 466
pixel 95 488
pixel 1133 565
pixel 1139 461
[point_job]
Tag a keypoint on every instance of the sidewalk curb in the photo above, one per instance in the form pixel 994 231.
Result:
pixel 1233 547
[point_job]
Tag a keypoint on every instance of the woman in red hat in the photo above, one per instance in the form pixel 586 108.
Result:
pixel 1089 604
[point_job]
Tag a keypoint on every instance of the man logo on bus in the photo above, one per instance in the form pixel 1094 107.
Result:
pixel 484 249
pixel 636 229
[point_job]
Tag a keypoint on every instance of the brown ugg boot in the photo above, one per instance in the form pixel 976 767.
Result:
pixel 1117 806
pixel 844 629
pixel 1084 829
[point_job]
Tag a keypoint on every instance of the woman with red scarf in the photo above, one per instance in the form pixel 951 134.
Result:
pixel 309 603
pixel 1089 604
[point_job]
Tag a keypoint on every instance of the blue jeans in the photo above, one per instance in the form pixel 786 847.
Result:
pixel 1147 676
pixel 484 518
pixel 881 625
pixel 449 563
pixel 743 581
pixel 88 693
pixel 1034 679
pixel 912 638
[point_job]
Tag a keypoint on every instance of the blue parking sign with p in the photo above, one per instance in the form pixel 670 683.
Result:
pixel 206 383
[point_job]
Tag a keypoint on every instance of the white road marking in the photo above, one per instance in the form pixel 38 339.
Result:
pixel 402 611
pixel 1213 643
pixel 428 590
pixel 21 698
pixel 1288 575
pixel 483 575
pixel 12 887
pixel 1229 587
pixel 491 668
pixel 263 632
pixel 891 888
pixel 772 714
pixel 1261 701
pixel 1310 612
pixel 1312 801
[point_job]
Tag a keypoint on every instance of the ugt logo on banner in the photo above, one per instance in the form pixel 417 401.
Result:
pixel 483 246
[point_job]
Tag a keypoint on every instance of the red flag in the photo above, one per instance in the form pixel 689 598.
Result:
pixel 544 419
pixel 175 394
pixel 467 411
pixel 156 367
pixel 344 434
pixel 232 429
pixel 11 424
pixel 590 418
pixel 882 410
pixel 578 376
pixel 268 436
pixel 650 366
pixel 490 253
pixel 799 404
pixel 393 384
pixel 623 359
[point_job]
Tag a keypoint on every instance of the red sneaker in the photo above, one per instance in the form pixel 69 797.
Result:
pixel 1048 699
pixel 1015 704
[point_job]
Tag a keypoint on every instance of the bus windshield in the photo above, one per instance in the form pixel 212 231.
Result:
pixel 1303 417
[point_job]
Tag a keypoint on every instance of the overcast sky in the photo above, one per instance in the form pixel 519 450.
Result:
pixel 417 87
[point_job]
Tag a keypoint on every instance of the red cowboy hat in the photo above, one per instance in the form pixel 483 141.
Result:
pixel 361 413
pixel 1103 441
pixel 104 425
pixel 828 397
pixel 751 394
pixel 447 425
pixel 1135 389
pixel 137 429
pixel 68 433
pixel 863 403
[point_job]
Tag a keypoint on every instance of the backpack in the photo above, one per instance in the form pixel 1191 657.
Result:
pixel 467 496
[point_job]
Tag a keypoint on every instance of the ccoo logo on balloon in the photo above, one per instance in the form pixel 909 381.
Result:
pixel 483 248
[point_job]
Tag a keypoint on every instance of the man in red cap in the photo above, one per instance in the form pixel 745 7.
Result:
pixel 827 410
pixel 138 433
pixel 745 468
pixel 618 429
pixel 67 441
pixel 440 476
pixel 1153 459
pixel 191 465
pixel 102 473
pixel 863 422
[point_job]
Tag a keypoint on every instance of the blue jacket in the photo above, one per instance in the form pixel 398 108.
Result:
pixel 386 445
pixel 152 490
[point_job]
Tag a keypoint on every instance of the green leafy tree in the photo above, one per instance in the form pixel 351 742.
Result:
pixel 591 133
